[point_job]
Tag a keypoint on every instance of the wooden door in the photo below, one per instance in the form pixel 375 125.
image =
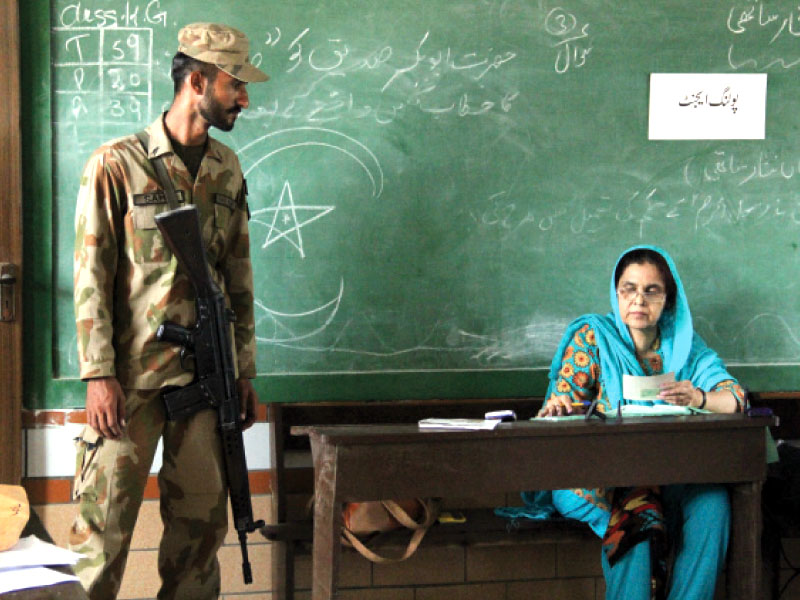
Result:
pixel 10 248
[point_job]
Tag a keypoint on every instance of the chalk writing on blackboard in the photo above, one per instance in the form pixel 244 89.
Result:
pixel 572 40
pixel 103 70
pixel 740 170
pixel 393 79
pixel 133 15
pixel 739 20
pixel 105 76
pixel 773 27
pixel 719 189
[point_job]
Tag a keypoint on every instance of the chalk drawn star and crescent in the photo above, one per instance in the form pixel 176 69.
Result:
pixel 285 220
pixel 290 218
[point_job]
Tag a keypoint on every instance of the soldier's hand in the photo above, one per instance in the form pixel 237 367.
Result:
pixel 105 407
pixel 248 399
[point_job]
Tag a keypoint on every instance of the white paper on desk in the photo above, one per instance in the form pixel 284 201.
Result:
pixel 657 410
pixel 31 577
pixel 638 387
pixel 32 552
pixel 474 424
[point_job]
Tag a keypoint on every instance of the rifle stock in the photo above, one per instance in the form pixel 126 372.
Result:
pixel 214 384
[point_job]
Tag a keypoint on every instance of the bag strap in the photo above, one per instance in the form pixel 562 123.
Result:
pixel 431 512
pixel 161 172
pixel 413 544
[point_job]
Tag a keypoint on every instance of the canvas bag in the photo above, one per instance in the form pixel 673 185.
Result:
pixel 14 513
pixel 369 518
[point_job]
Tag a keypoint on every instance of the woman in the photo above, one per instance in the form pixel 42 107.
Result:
pixel 649 333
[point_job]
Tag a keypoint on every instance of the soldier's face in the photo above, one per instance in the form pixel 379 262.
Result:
pixel 223 100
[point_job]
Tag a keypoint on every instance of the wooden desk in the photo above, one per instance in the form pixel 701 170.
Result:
pixel 61 591
pixel 370 462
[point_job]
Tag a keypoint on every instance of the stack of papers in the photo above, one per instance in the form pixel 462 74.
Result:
pixel 635 410
pixel 656 410
pixel 459 423
pixel 24 565
pixel 581 417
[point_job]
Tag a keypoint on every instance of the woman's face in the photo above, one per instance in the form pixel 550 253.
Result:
pixel 641 294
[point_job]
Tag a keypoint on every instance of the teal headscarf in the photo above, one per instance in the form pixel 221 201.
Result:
pixel 685 353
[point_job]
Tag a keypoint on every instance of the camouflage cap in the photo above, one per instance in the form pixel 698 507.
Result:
pixel 220 45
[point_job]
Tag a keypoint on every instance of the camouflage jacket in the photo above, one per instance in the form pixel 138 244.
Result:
pixel 126 283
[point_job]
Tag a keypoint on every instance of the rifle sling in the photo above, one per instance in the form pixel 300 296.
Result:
pixel 161 172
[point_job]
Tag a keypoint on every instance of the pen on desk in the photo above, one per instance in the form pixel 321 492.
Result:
pixel 584 404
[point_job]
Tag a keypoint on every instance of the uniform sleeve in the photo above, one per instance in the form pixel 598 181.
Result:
pixel 580 370
pixel 97 226
pixel 237 269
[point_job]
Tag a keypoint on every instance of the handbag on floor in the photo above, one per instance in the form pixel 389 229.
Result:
pixel 14 513
pixel 369 518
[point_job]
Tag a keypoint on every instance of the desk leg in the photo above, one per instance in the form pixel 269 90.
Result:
pixel 327 525
pixel 282 551
pixel 283 570
pixel 744 561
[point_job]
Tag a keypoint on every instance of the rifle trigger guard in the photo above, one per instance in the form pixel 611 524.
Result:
pixel 207 395
pixel 184 354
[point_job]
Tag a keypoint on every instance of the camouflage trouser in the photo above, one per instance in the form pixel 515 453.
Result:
pixel 110 480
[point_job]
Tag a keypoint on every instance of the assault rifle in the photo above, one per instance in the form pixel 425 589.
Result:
pixel 214 385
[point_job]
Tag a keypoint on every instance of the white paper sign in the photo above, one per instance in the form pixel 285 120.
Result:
pixel 708 106
pixel 635 387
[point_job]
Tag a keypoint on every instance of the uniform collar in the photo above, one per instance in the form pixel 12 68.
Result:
pixel 160 143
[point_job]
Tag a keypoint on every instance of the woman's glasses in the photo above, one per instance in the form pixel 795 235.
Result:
pixel 629 293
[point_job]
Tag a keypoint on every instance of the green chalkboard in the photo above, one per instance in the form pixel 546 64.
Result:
pixel 439 187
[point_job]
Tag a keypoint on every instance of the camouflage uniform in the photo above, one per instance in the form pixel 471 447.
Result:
pixel 126 284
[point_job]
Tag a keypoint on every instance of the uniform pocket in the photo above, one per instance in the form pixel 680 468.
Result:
pixel 148 243
pixel 87 445
pixel 92 486
pixel 144 217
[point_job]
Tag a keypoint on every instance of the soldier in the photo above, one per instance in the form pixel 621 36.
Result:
pixel 126 285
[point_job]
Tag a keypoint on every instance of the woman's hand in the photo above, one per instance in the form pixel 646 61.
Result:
pixel 558 406
pixel 681 393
